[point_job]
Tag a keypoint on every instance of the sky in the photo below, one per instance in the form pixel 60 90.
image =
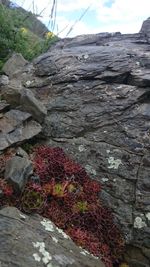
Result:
pixel 125 16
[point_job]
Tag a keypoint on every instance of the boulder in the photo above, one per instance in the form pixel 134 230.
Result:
pixel 17 171
pixel 12 93
pixel 14 64
pixel 99 111
pixel 145 29
pixel 16 126
pixel 37 242
pixel 31 104
pixel 97 97
pixel 19 97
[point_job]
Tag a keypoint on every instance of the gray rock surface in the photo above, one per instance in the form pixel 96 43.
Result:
pixel 31 104
pixel 16 126
pixel 18 170
pixel 34 241
pixel 19 97
pixel 146 28
pixel 14 64
pixel 12 92
pixel 98 101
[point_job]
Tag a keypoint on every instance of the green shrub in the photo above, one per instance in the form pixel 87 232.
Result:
pixel 15 36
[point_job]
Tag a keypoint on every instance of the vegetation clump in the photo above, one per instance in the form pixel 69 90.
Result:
pixel 65 194
pixel 16 35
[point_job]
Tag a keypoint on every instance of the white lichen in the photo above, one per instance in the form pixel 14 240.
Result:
pixel 105 179
pixel 38 244
pixel 108 151
pixel 90 170
pixel 138 223
pixel 114 163
pixel 60 231
pixel 22 216
pixel 45 255
pixel 148 215
pixel 95 257
pixel 63 260
pixel 81 57
pixel 28 83
pixel 55 239
pixel 48 225
pixel 84 252
pixel 37 257
pixel 81 148
pixel 86 56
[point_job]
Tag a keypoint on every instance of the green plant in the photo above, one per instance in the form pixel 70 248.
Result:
pixel 17 35
pixel 66 195
pixel 81 206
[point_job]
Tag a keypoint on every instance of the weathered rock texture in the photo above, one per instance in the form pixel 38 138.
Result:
pixel 17 171
pixel 97 92
pixel 27 241
pixel 14 64
pixel 19 97
pixel 15 126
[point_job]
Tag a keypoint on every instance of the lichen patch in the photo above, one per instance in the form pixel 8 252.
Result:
pixel 48 225
pixel 148 215
pixel 37 257
pixel 90 169
pixel 60 231
pixel 45 255
pixel 138 223
pixel 114 163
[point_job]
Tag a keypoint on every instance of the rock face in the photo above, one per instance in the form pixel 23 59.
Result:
pixel 34 241
pixel 14 64
pixel 16 126
pixel 97 96
pixel 18 96
pixel 146 28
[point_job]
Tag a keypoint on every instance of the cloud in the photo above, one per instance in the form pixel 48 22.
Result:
pixel 125 16
pixel 124 10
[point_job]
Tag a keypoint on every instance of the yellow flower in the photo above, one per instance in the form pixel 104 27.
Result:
pixel 49 35
pixel 23 30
